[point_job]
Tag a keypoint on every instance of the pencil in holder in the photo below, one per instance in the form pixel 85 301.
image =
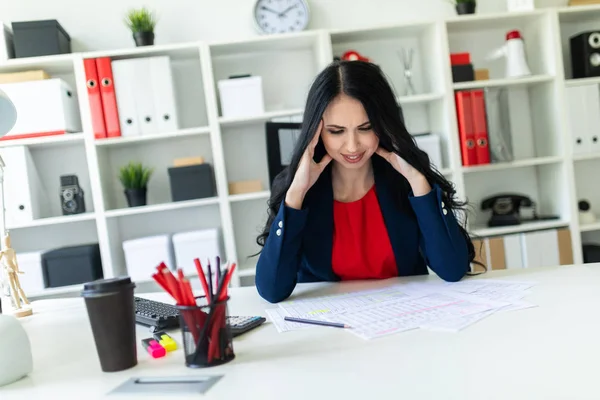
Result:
pixel 207 338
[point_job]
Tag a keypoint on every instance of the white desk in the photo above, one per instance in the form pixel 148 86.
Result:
pixel 548 352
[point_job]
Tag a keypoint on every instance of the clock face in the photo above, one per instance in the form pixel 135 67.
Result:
pixel 281 16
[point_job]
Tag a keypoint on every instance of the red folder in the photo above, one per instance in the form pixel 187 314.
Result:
pixel 93 89
pixel 466 133
pixel 109 99
pixel 482 148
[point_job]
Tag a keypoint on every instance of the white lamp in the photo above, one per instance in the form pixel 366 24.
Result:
pixel 15 350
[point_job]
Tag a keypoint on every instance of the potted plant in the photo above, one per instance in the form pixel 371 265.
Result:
pixel 465 6
pixel 134 177
pixel 141 22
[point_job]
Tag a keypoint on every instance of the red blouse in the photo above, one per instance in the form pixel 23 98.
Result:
pixel 361 246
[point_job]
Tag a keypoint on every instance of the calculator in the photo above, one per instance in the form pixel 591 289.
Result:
pixel 162 316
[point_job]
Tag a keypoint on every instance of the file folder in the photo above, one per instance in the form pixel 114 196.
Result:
pixel 124 84
pixel 109 99
pixel 143 94
pixel 165 106
pixel 94 97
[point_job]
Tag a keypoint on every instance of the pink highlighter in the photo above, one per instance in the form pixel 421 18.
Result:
pixel 154 348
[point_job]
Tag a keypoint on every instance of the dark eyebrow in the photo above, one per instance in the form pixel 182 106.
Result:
pixel 343 127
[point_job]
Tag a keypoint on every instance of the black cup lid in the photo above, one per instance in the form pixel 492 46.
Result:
pixel 107 285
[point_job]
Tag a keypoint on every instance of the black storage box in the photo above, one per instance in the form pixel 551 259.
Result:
pixel 40 38
pixel 463 73
pixel 191 182
pixel 72 265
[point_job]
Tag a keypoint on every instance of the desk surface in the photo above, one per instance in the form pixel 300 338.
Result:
pixel 547 352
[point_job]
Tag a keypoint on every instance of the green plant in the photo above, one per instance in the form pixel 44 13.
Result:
pixel 140 20
pixel 135 176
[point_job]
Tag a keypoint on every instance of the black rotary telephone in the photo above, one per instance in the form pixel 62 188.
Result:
pixel 506 209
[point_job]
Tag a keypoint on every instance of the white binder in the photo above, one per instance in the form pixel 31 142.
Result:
pixel 143 93
pixel 123 77
pixel 583 104
pixel 26 198
pixel 512 251
pixel 592 104
pixel 165 105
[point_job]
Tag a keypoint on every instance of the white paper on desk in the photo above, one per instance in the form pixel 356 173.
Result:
pixel 343 302
pixel 460 323
pixel 473 285
pixel 392 317
pixel 276 316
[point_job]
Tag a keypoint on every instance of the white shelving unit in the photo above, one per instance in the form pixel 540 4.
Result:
pixel 544 167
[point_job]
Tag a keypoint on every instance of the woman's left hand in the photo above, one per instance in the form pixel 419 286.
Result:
pixel 417 180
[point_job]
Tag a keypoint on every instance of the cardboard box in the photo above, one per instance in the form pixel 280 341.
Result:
pixel 240 187
pixel 25 76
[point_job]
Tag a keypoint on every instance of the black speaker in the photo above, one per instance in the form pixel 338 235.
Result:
pixel 585 54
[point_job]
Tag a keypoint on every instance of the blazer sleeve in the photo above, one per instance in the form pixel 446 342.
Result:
pixel 278 263
pixel 442 242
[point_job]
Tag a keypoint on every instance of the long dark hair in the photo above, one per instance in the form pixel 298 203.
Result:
pixel 365 82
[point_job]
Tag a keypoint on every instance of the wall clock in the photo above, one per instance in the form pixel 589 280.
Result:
pixel 281 16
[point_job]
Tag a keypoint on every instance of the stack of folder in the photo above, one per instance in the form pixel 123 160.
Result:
pixel 131 97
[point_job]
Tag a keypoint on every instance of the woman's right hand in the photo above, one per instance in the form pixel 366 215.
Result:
pixel 307 173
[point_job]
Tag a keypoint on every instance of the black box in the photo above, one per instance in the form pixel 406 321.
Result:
pixel 463 73
pixel 192 182
pixel 40 38
pixel 72 265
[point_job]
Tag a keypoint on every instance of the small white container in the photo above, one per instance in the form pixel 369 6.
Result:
pixel 241 97
pixel 44 107
pixel 143 255
pixel 32 278
pixel 202 244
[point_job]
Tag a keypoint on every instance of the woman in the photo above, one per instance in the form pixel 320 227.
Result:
pixel 359 199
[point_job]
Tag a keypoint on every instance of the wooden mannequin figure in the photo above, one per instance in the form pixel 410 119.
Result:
pixel 8 259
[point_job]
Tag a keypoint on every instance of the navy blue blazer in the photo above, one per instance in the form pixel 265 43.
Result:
pixel 300 242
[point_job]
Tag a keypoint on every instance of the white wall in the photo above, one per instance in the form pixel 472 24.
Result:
pixel 97 25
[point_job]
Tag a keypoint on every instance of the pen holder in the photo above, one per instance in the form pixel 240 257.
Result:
pixel 207 338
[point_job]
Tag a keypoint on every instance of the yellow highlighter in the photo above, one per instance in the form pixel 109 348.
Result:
pixel 165 341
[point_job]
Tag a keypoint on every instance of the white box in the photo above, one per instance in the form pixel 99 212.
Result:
pixel 241 97
pixel 430 144
pixel 143 255
pixel 44 107
pixel 25 198
pixel 32 279
pixel 203 244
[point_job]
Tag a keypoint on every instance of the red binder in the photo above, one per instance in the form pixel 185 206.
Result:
pixel 465 127
pixel 109 99
pixel 482 148
pixel 93 89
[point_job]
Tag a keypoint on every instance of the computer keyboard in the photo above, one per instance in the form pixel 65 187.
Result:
pixel 162 316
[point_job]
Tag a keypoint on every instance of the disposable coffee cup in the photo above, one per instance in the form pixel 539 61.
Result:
pixel 110 308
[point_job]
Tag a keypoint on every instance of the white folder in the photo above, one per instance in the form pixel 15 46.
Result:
pixel 143 93
pixel 513 251
pixel 592 110
pixel 123 77
pixel 26 197
pixel 165 106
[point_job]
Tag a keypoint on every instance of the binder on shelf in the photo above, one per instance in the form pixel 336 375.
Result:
pixel 163 91
pixel 28 199
pixel 490 252
pixel 143 94
pixel 579 118
pixel 465 127
pixel 482 149
pixel 95 99
pixel 108 95
pixel 124 86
